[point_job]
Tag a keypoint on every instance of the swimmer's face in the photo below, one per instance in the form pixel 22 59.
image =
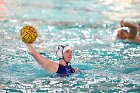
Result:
pixel 67 55
pixel 122 34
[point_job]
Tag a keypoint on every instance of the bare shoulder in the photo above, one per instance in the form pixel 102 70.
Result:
pixel 54 64
pixel 53 67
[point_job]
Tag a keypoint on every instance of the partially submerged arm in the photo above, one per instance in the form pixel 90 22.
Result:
pixel 133 29
pixel 44 62
pixel 133 32
pixel 136 40
pixel 76 69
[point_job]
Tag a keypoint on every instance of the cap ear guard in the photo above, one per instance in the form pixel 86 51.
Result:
pixel 59 52
pixel 123 28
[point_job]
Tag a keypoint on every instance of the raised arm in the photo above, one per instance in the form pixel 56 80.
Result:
pixel 133 29
pixel 50 66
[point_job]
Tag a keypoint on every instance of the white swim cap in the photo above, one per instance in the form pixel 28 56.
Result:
pixel 61 50
pixel 123 28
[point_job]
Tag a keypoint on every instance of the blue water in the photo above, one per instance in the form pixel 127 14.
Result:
pixel 107 65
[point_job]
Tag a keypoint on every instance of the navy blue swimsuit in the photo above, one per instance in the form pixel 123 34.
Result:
pixel 65 70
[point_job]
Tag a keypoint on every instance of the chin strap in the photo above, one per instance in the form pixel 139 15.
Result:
pixel 68 63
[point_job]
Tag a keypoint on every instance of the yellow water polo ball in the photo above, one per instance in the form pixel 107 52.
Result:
pixel 28 34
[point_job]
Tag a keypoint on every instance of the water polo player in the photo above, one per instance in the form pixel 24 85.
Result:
pixel 132 34
pixel 63 68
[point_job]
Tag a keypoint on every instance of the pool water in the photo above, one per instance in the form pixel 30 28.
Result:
pixel 107 65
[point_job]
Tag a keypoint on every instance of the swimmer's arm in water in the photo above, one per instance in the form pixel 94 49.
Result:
pixel 136 40
pixel 126 24
pixel 133 29
pixel 50 66
pixel 76 69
